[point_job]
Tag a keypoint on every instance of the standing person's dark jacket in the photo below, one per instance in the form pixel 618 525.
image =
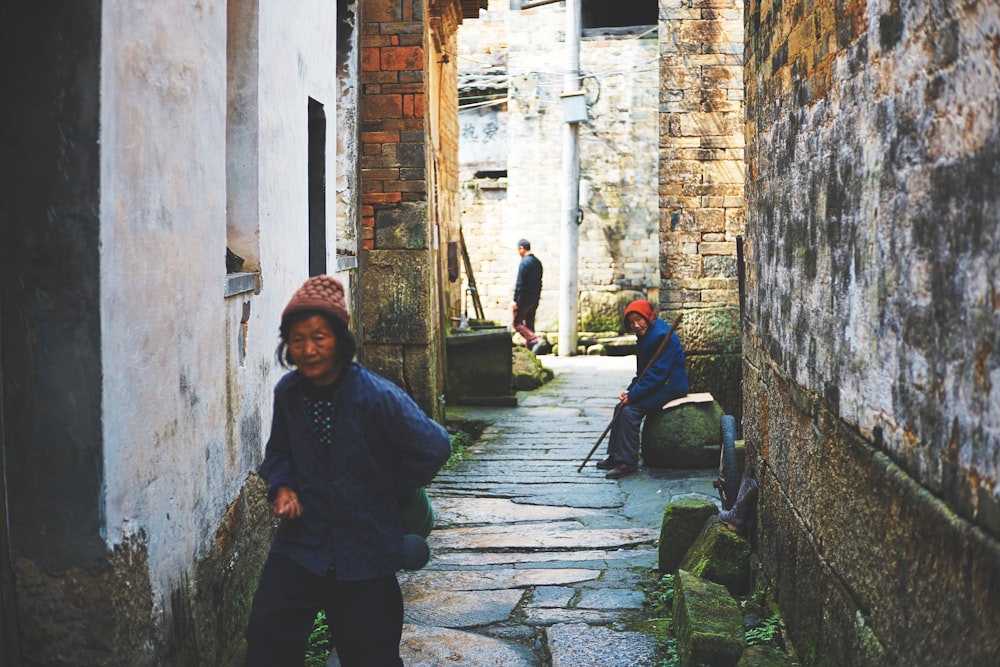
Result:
pixel 667 378
pixel 353 493
pixel 528 288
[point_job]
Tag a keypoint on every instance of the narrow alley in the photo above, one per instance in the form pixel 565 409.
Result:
pixel 812 186
pixel 534 563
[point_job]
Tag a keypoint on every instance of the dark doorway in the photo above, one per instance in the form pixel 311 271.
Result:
pixel 317 188
pixel 10 653
pixel 601 14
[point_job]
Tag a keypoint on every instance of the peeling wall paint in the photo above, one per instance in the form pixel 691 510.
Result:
pixel 873 340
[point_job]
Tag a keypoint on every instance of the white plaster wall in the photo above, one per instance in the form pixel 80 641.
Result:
pixel 298 61
pixel 348 145
pixel 181 400
pixel 163 195
pixel 483 139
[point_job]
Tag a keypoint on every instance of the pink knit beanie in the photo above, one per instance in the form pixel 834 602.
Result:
pixel 324 294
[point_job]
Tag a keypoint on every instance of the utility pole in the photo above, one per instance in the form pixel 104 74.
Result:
pixel 569 260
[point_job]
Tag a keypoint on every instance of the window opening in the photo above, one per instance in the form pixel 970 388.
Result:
pixel 317 188
pixel 491 174
pixel 242 191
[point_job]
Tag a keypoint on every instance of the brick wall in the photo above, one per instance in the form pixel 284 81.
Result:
pixel 701 176
pixel 393 168
pixel 408 189
pixel 872 339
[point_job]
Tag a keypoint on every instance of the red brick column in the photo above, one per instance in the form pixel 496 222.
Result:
pixel 393 170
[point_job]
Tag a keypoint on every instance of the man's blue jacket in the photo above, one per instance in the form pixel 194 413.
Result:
pixel 528 288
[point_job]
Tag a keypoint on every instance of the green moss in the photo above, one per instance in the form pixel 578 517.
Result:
pixel 599 323
pixel 722 556
pixel 707 621
pixel 682 522
pixel 462 435
pixel 660 628
pixel 660 600
pixel 765 632
pixel 687 436
pixel 759 655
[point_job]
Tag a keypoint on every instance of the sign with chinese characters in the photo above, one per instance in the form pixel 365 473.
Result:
pixel 482 143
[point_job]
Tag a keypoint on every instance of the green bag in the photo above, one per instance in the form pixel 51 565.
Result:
pixel 418 517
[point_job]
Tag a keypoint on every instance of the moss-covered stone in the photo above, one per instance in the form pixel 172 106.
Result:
pixel 711 330
pixel 528 371
pixel 707 621
pixel 686 436
pixel 719 375
pixel 106 616
pixel 764 656
pixel 682 522
pixel 604 311
pixel 721 556
pixel 712 344
pixel 402 227
pixel 107 612
pixel 387 317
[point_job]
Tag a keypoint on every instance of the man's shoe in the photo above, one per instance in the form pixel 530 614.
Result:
pixel 606 464
pixel 536 347
pixel 622 470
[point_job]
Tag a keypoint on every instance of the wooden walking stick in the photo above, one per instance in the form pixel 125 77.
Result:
pixel 618 408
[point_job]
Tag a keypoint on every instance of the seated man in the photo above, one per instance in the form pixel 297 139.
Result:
pixel 664 379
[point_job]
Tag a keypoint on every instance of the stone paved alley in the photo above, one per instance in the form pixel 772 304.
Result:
pixel 533 563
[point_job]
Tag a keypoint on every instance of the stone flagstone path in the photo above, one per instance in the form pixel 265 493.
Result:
pixel 534 564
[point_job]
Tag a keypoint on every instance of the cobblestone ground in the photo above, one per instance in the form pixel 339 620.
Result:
pixel 534 563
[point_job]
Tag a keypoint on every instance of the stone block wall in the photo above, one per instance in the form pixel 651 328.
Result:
pixel 618 242
pixel 872 345
pixel 701 176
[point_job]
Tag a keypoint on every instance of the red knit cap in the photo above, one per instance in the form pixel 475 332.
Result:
pixel 641 307
pixel 324 294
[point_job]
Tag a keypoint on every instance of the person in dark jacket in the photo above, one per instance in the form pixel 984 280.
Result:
pixel 527 293
pixel 348 449
pixel 665 380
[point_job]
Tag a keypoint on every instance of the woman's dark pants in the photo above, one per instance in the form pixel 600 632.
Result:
pixel 365 617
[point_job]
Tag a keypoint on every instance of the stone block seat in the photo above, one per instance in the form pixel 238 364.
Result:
pixel 687 433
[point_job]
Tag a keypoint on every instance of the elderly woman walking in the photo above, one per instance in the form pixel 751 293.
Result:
pixel 347 451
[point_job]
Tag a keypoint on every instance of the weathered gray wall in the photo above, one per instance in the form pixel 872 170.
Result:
pixel 873 346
